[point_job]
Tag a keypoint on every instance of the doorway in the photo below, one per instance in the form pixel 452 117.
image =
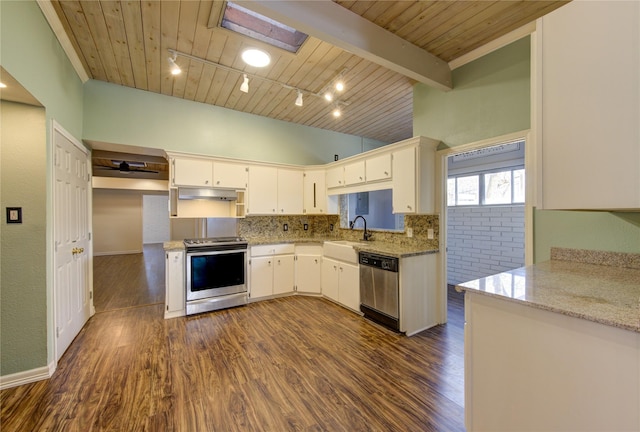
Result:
pixel 485 208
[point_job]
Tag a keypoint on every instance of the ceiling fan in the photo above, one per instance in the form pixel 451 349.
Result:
pixel 125 167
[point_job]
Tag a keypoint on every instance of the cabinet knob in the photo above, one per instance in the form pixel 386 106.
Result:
pixel 386 173
pixel 278 262
pixel 282 210
pixel 218 182
pixel 409 207
pixel 360 178
pixel 274 210
pixel 206 182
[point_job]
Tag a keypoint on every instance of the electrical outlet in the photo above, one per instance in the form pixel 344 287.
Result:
pixel 285 227
pixel 409 232
pixel 430 233
pixel 330 227
pixel 306 227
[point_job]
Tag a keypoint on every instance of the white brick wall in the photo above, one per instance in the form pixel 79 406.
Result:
pixel 482 241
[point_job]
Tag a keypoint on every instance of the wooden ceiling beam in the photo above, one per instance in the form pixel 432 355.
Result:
pixel 336 25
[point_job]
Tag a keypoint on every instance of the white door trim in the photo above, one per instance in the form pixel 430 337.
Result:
pixel 51 330
pixel 442 173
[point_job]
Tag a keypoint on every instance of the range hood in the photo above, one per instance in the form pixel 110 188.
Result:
pixel 209 194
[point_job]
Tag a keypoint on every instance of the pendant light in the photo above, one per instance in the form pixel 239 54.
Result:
pixel 175 69
pixel 244 87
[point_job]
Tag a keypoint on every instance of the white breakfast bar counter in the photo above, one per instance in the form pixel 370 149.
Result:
pixel 555 346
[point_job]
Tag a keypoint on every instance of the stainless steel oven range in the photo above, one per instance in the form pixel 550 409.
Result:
pixel 216 273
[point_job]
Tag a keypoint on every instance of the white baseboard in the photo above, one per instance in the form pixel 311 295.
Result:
pixel 26 377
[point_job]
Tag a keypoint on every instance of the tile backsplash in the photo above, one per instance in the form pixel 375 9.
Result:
pixel 319 226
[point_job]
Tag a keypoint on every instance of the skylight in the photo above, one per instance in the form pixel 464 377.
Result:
pixel 256 26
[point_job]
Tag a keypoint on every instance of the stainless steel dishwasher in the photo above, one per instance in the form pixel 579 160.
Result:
pixel 379 289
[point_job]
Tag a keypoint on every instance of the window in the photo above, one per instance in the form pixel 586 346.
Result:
pixel 487 188
pixel 244 21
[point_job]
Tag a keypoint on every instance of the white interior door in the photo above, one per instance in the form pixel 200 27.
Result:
pixel 71 236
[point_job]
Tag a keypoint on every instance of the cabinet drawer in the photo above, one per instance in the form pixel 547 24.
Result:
pixel 309 249
pixel 272 249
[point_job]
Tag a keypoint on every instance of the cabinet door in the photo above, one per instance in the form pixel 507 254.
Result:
pixel 309 273
pixel 335 177
pixel 378 168
pixel 349 286
pixel 330 278
pixel 231 176
pixel 590 132
pixel 354 173
pixel 314 193
pixel 192 172
pixel 261 277
pixel 404 181
pixel 263 190
pixel 290 191
pixel 174 283
pixel 283 274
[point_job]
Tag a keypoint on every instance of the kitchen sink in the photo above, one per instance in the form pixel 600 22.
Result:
pixel 341 250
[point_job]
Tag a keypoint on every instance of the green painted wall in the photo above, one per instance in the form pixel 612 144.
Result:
pixel 23 300
pixel 30 52
pixel 607 231
pixel 490 97
pixel 121 115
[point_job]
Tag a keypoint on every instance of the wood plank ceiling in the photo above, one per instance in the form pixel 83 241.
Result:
pixel 127 43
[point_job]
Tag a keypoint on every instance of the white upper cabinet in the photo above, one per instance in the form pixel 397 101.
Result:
pixel 354 173
pixel 414 179
pixel 263 190
pixel 588 101
pixel 230 175
pixel 274 191
pixel 404 181
pixel 335 177
pixel 378 168
pixel 314 193
pixel 192 172
pixel 290 191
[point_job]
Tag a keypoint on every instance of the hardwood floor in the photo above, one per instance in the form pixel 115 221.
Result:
pixel 121 281
pixel 289 364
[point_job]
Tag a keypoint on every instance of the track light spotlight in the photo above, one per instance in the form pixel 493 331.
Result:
pixel 339 86
pixel 299 99
pixel 336 112
pixel 328 96
pixel 244 87
pixel 175 69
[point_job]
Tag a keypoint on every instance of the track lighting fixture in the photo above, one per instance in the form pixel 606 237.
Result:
pixel 244 87
pixel 175 69
pixel 329 92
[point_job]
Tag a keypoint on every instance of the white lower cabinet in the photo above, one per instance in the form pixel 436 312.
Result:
pixel 174 284
pixel 309 268
pixel 271 270
pixel 341 282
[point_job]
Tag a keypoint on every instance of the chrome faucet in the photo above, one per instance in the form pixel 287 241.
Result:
pixel 366 236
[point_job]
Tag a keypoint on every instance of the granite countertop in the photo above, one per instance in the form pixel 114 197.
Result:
pixel 573 283
pixel 385 248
